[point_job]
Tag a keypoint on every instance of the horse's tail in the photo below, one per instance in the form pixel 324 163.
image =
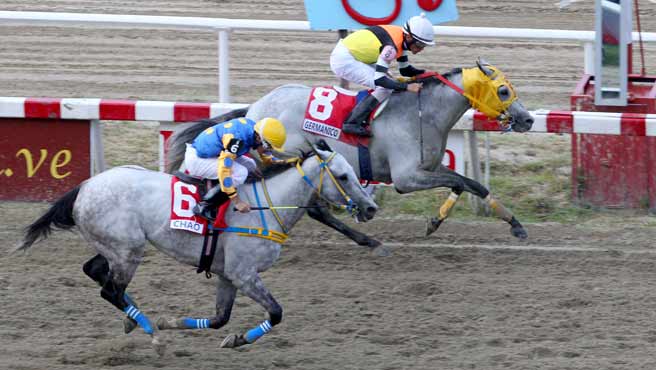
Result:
pixel 60 214
pixel 177 143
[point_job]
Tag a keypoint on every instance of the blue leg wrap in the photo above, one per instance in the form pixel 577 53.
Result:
pixel 129 300
pixel 140 318
pixel 190 323
pixel 255 334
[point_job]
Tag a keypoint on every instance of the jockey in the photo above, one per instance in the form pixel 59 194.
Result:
pixel 364 57
pixel 223 146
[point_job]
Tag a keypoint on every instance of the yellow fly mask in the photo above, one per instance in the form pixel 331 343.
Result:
pixel 488 90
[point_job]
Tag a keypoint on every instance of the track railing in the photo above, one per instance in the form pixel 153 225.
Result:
pixel 223 26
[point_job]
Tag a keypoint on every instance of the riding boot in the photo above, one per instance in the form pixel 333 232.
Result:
pixel 357 121
pixel 211 201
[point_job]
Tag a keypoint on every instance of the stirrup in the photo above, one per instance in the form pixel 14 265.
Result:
pixel 204 212
pixel 356 129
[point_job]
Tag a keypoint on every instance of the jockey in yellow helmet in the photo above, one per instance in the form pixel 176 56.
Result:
pixel 218 153
pixel 364 57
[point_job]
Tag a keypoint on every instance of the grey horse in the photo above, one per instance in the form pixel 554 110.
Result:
pixel 409 138
pixel 117 211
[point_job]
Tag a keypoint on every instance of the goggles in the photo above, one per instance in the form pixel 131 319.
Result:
pixel 418 43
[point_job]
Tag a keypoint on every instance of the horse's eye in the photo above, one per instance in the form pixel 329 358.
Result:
pixel 343 178
pixel 503 92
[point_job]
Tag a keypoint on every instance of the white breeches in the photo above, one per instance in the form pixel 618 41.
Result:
pixel 208 167
pixel 345 66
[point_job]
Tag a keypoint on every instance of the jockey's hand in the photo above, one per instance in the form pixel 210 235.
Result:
pixel 286 161
pixel 415 87
pixel 242 206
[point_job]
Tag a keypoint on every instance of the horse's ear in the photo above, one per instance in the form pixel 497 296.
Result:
pixel 323 145
pixel 314 149
pixel 303 155
pixel 482 65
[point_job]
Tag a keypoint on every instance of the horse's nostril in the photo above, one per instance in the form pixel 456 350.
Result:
pixel 529 121
pixel 371 211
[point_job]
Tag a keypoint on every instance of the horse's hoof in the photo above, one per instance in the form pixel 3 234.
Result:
pixel 164 324
pixel 373 243
pixel 129 324
pixel 432 225
pixel 519 232
pixel 381 251
pixel 233 341
pixel 158 345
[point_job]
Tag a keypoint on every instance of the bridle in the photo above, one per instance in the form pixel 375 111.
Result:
pixel 504 118
pixel 350 206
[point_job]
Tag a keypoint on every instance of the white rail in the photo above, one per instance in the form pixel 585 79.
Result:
pixel 224 25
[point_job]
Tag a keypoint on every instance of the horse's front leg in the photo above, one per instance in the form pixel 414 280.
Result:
pixel 255 289
pixel 444 177
pixel 323 215
pixel 225 298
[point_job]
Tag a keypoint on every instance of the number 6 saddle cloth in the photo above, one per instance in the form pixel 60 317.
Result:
pixel 328 108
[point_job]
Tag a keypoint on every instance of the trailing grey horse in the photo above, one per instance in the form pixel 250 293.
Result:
pixel 117 211
pixel 409 136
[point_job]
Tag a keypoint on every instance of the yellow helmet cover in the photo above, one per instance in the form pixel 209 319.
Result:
pixel 483 91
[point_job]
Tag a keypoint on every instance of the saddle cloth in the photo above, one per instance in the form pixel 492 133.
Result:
pixel 327 110
pixel 184 196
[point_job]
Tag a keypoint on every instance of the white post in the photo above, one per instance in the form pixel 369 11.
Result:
pixel 96 148
pixel 588 58
pixel 474 171
pixel 486 174
pixel 224 66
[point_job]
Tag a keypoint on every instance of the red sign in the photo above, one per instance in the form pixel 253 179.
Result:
pixel 41 159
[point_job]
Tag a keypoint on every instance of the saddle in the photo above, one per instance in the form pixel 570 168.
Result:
pixel 327 109
pixel 203 185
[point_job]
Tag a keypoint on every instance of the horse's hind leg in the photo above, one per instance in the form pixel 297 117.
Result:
pixel 97 268
pixel 254 288
pixel 225 298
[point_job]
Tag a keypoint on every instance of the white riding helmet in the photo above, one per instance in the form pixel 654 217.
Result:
pixel 421 29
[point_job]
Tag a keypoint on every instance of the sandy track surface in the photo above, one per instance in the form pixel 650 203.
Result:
pixel 469 297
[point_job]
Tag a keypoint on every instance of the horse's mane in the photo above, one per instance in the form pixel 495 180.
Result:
pixel 274 170
pixel 433 80
pixel 270 171
pixel 177 142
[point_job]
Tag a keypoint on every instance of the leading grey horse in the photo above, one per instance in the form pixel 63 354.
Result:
pixel 409 137
pixel 117 211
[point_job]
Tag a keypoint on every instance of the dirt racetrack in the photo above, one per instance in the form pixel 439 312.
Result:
pixel 468 297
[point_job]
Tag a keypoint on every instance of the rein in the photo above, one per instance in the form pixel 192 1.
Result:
pixel 280 237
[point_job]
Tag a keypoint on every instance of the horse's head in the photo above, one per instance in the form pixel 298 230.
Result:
pixel 492 94
pixel 338 184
